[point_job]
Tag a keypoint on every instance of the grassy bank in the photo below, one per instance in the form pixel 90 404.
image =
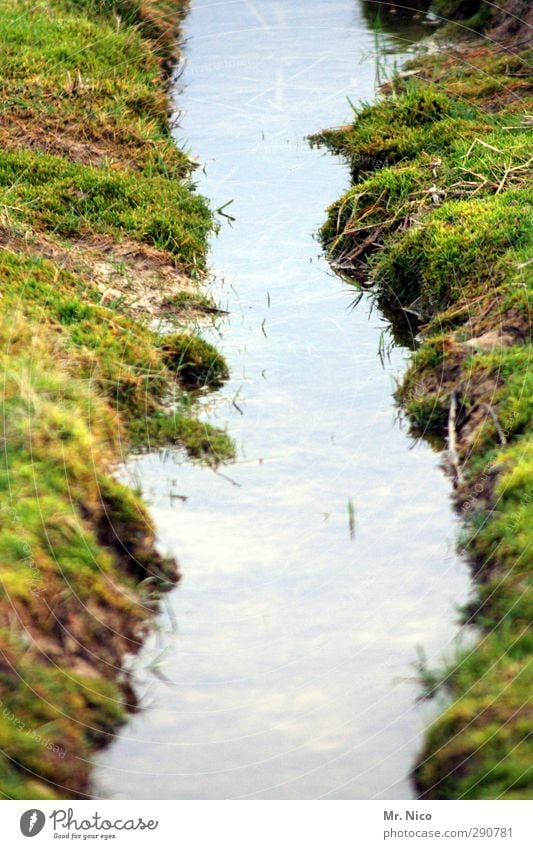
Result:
pixel 439 227
pixel 101 236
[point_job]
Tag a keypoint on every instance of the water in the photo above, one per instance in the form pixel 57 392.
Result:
pixel 283 668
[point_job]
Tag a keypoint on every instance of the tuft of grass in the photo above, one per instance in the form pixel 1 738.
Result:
pixel 186 301
pixel 196 362
pixel 70 199
pixel 396 130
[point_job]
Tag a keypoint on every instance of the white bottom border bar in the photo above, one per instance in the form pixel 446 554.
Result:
pixel 263 824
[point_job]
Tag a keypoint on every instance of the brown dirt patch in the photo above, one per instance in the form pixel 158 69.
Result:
pixel 135 278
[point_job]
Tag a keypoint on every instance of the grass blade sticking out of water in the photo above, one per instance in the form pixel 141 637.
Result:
pixel 379 53
pixel 351 518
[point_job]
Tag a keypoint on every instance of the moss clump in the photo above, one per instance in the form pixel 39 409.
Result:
pixel 196 362
pixel 451 254
pixel 440 220
pixel 49 724
pixel 483 738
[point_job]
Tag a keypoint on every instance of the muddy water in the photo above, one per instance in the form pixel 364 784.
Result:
pixel 282 667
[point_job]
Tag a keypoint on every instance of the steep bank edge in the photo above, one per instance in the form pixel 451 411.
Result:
pixel 101 232
pixel 439 223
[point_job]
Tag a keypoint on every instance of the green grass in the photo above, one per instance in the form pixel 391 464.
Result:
pixel 51 715
pixel 87 161
pixel 135 368
pixel 69 199
pixel 73 545
pixel 440 220
pixel 75 78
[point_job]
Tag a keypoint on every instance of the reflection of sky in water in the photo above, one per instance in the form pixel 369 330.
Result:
pixel 287 672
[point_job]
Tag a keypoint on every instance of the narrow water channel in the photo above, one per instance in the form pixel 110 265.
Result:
pixel 282 667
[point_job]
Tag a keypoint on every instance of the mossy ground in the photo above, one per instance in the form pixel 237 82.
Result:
pixel 100 228
pixel 439 225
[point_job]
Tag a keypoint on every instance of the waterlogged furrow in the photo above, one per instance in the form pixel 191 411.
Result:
pixel 318 562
